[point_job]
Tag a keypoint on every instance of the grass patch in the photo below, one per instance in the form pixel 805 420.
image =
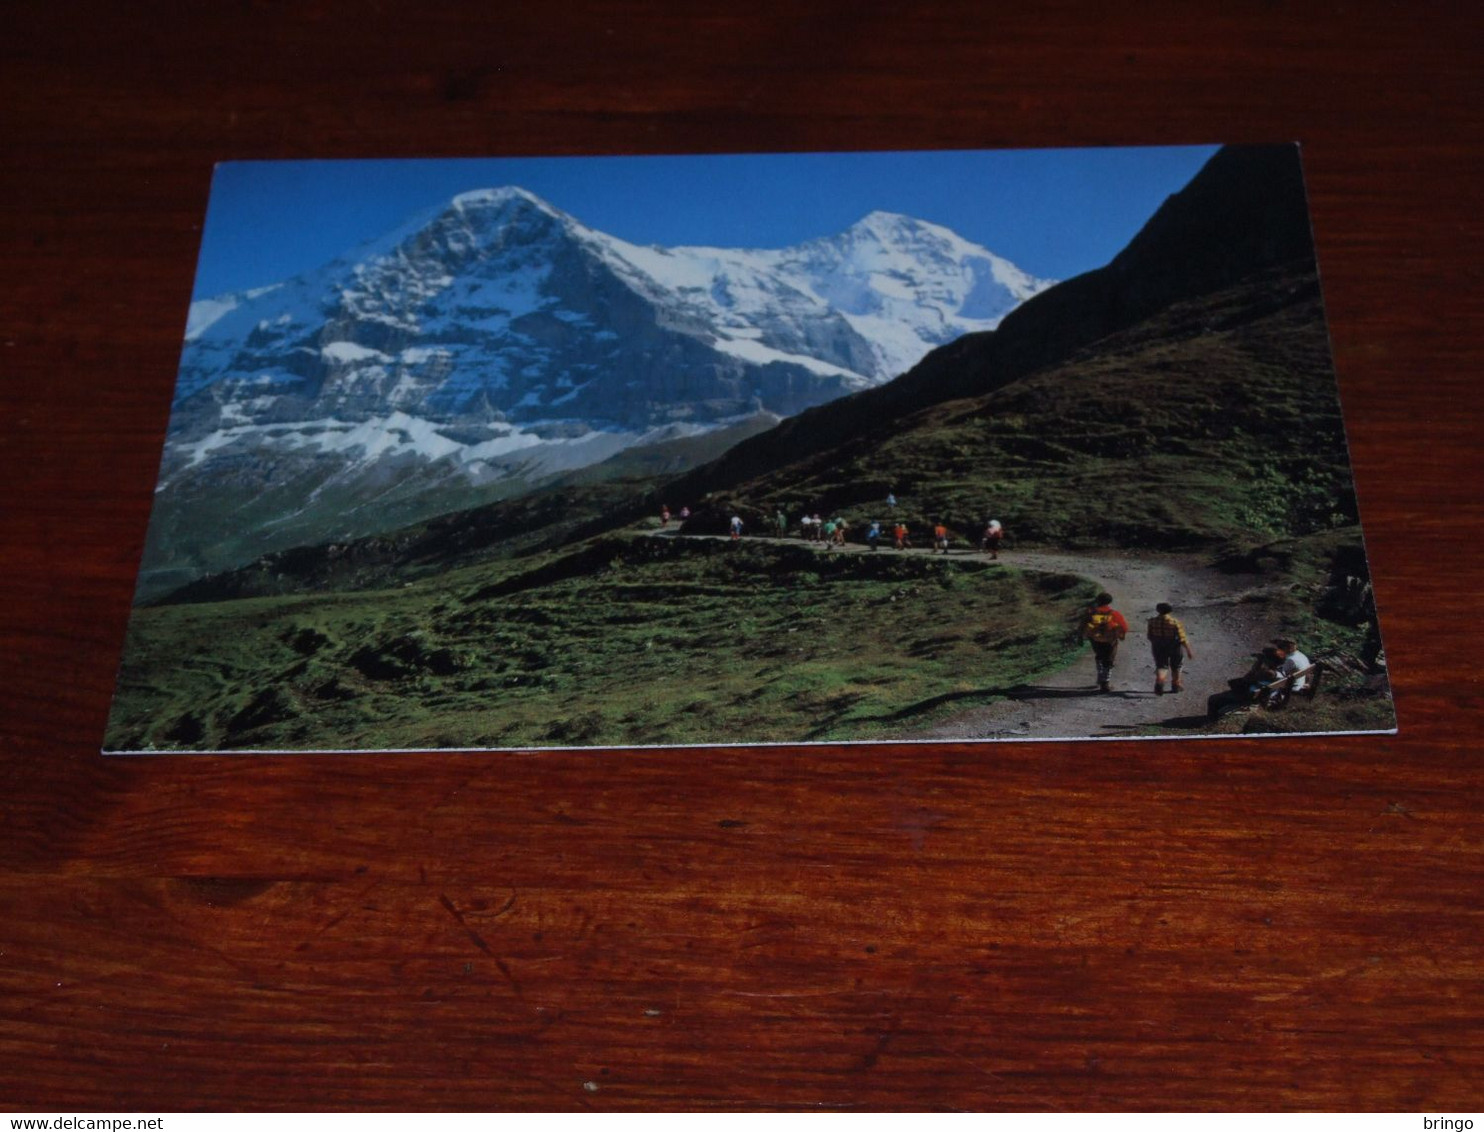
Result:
pixel 1216 420
pixel 625 641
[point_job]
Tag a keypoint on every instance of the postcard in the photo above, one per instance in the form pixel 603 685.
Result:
pixel 753 449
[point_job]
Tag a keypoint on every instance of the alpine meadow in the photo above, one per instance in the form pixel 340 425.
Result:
pixel 543 550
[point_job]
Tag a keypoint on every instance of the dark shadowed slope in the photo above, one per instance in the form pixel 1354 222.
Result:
pixel 1243 214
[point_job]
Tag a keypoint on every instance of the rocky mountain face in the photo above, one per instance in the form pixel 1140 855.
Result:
pixel 498 341
pixel 1181 398
pixel 1245 213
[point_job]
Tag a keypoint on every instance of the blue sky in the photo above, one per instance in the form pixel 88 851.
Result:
pixel 1053 213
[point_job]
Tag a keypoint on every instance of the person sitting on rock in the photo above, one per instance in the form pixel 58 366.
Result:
pixel 1252 687
pixel 1294 662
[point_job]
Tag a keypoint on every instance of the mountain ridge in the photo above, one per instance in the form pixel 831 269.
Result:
pixel 1129 437
pixel 489 345
pixel 1244 211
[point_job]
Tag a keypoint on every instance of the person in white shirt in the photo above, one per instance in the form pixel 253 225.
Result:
pixel 1293 661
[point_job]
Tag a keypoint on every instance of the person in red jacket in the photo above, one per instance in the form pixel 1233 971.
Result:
pixel 1103 628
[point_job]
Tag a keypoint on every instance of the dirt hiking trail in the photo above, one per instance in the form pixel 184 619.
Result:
pixel 1224 630
pixel 1224 627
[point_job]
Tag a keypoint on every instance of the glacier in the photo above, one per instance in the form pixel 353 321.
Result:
pixel 498 338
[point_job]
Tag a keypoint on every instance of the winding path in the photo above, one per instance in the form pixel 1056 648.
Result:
pixel 1224 630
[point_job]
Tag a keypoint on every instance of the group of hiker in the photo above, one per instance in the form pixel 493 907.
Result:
pixel 832 532
pixel 1278 671
pixel 813 528
pixel 1104 628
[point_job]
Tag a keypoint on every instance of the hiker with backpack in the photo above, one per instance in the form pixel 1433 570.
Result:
pixel 1103 628
pixel 1167 640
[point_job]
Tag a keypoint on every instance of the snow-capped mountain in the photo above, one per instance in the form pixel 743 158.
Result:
pixel 498 339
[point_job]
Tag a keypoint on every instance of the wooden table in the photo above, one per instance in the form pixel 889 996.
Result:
pixel 1256 924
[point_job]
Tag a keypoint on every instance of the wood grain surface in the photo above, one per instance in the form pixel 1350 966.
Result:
pixel 1268 924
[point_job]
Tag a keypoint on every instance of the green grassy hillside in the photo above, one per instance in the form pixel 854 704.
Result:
pixel 1181 399
pixel 540 521
pixel 1215 425
pixel 623 641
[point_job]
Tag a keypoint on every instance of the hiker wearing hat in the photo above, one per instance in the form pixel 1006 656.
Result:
pixel 1103 628
pixel 1167 640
